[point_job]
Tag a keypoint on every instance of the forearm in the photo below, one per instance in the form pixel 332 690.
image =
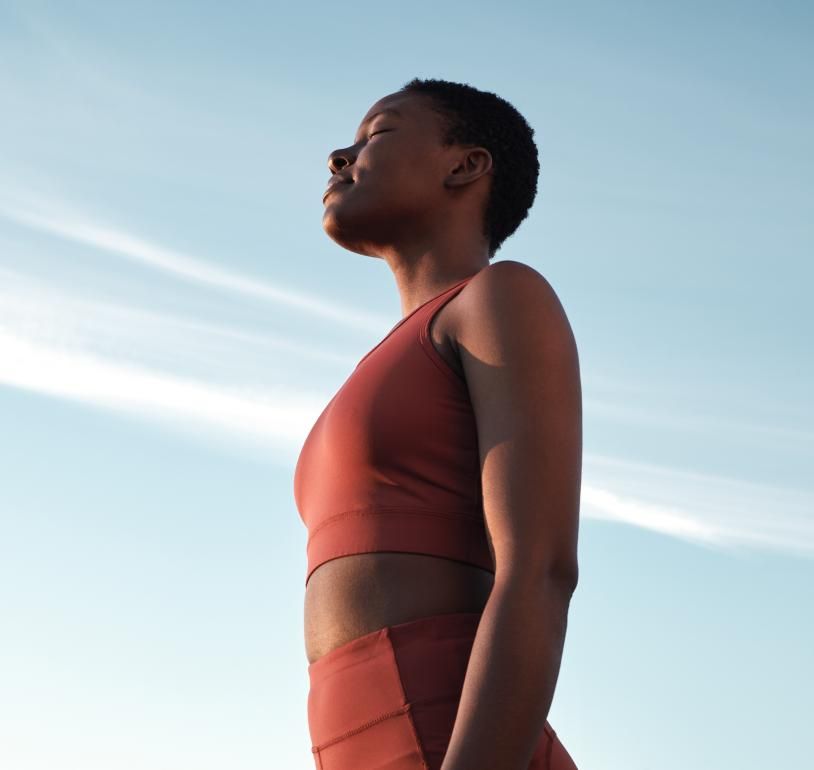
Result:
pixel 511 678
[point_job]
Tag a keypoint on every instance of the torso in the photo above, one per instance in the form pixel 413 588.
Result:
pixel 355 595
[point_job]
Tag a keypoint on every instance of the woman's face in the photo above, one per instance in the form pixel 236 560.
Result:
pixel 390 189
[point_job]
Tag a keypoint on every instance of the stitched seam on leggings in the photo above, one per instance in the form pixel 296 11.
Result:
pixel 317 757
pixel 418 745
pixel 417 740
pixel 365 726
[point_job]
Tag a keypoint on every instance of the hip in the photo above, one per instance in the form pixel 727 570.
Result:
pixel 387 700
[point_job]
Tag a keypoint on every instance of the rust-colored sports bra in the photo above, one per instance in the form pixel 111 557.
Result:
pixel 392 463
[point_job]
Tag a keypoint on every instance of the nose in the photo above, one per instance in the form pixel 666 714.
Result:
pixel 338 159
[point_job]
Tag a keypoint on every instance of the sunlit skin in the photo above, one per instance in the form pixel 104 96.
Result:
pixel 418 206
pixel 413 203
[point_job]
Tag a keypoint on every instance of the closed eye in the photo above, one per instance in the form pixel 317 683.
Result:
pixel 380 131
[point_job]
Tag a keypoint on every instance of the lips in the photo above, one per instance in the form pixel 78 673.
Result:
pixel 331 187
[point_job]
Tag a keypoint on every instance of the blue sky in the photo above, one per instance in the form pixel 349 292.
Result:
pixel 173 319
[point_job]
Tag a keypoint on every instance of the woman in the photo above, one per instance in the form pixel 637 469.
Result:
pixel 440 486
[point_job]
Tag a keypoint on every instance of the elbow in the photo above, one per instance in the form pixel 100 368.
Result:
pixel 564 578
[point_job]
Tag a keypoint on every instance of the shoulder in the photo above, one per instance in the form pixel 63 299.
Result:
pixel 507 302
pixel 522 374
pixel 509 278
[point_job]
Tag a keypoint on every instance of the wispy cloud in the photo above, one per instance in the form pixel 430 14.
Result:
pixel 705 509
pixel 116 357
pixel 50 314
pixel 630 412
pixel 272 415
pixel 60 220
pixel 666 519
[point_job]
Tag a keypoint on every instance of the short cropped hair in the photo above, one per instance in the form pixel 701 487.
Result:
pixel 484 119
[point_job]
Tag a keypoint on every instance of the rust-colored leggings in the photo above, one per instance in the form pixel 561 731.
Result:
pixel 388 700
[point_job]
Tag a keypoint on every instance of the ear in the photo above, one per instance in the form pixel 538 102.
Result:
pixel 473 163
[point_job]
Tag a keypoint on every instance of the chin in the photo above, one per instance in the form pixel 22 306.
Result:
pixel 349 232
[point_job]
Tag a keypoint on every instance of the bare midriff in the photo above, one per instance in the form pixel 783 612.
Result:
pixel 351 596
pixel 354 595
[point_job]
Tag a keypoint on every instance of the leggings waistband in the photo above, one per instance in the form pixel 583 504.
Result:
pixel 445 626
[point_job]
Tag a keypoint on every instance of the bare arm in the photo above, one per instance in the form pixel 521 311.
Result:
pixel 522 370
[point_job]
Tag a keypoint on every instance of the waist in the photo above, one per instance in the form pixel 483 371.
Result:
pixel 355 595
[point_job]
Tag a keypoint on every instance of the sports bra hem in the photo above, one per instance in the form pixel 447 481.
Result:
pixel 474 515
pixel 355 552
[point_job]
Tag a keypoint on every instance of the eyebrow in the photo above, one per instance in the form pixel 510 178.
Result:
pixel 391 110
